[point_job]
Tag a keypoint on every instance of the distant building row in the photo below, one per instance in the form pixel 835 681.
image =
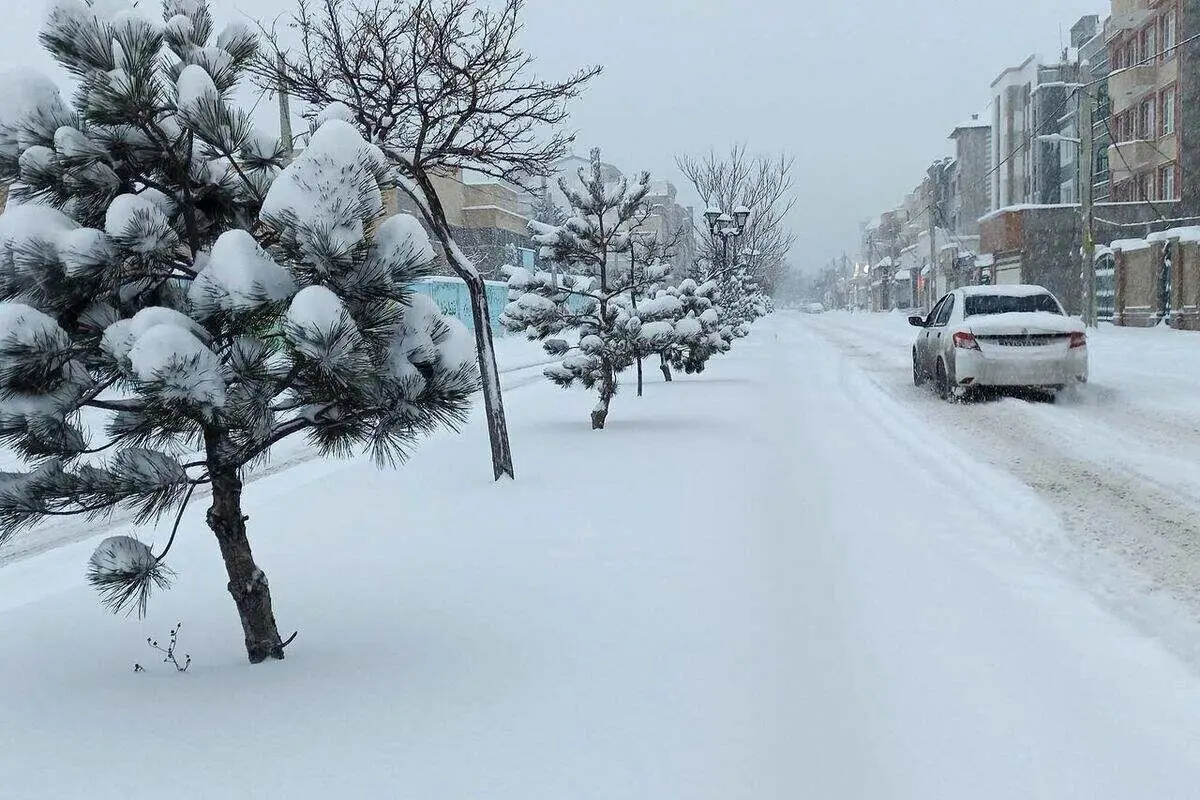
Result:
pixel 1005 208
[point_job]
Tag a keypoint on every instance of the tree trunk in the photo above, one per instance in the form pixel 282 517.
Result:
pixel 247 583
pixel 608 387
pixel 665 366
pixel 493 401
pixel 639 373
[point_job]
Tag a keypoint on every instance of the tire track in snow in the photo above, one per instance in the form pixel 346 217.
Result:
pixel 1120 486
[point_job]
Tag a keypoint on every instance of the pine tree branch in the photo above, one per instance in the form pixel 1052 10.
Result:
pixel 117 405
pixel 175 528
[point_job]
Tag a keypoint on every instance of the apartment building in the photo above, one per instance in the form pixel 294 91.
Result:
pixel 1012 128
pixel 1088 35
pixel 970 190
pixel 1149 92
pixel 488 217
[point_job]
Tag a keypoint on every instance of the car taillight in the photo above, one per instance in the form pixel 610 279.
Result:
pixel 1078 340
pixel 965 341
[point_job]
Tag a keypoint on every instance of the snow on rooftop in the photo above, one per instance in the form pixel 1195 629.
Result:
pixel 976 121
pixel 999 212
pixel 1189 234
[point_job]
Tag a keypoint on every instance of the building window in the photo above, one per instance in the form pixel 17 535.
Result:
pixel 1149 42
pixel 1142 186
pixel 1146 129
pixel 1167 190
pixel 1168 111
pixel 1170 34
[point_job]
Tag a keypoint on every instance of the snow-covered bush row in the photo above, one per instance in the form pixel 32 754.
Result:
pixel 610 289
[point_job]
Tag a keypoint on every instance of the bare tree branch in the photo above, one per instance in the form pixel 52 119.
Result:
pixel 763 184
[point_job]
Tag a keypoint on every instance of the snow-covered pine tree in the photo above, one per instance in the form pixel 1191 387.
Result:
pixel 739 300
pixel 174 302
pixel 545 209
pixel 592 247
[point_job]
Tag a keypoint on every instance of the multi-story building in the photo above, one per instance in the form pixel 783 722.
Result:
pixel 1012 128
pixel 970 189
pixel 1054 164
pixel 671 221
pixel 1091 54
pixel 489 219
pixel 1153 95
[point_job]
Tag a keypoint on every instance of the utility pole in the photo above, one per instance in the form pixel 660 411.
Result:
pixel 1087 167
pixel 285 113
pixel 934 267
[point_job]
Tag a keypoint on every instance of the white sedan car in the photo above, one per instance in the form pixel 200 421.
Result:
pixel 999 336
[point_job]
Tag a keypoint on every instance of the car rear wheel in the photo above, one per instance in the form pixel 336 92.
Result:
pixel 919 378
pixel 943 382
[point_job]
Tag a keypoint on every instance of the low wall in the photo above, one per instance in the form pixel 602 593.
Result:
pixel 452 298
pixel 1158 279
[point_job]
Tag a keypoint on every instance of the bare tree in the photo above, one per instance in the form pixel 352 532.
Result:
pixel 763 184
pixel 439 85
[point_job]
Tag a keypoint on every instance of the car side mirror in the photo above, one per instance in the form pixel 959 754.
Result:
pixel 917 321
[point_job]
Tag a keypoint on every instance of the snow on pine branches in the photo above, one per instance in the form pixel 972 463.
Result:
pixel 596 250
pixel 164 267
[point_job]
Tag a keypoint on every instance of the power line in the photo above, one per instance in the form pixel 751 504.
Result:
pixel 1145 61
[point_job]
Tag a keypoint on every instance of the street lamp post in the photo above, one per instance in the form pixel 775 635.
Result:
pixel 724 227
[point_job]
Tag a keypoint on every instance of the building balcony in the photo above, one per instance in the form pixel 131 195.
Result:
pixel 1130 158
pixel 1127 86
pixel 1127 16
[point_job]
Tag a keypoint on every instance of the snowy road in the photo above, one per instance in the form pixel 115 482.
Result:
pixel 946 658
pixel 790 577
pixel 1118 461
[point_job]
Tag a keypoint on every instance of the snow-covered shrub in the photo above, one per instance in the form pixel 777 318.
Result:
pixel 698 328
pixel 160 265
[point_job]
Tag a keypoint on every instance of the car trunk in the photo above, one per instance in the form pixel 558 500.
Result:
pixel 1033 333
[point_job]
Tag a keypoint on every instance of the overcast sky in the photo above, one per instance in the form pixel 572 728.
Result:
pixel 863 93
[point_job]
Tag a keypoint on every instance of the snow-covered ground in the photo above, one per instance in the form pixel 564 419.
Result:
pixel 790 577
pixel 1118 460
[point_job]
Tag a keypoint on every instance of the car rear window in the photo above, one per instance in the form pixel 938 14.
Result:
pixel 980 305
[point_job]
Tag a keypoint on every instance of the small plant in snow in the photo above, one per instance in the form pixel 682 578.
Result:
pixel 164 273
pixel 168 652
pixel 596 247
